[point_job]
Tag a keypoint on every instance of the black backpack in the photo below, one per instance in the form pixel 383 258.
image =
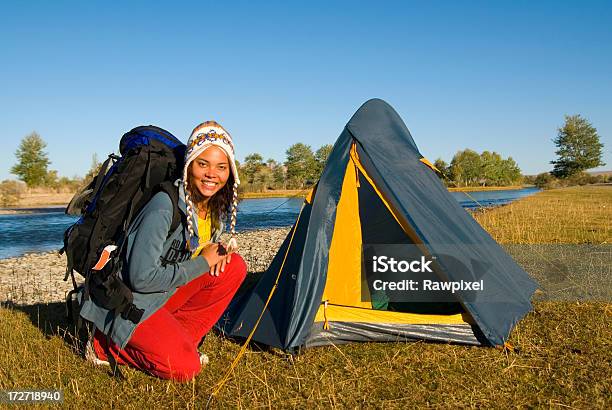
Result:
pixel 151 160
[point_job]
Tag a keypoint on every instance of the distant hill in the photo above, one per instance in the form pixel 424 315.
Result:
pixel 588 172
pixel 600 172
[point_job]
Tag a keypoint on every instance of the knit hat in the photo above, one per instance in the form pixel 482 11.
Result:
pixel 202 137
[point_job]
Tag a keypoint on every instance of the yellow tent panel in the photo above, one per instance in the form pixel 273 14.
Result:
pixel 344 282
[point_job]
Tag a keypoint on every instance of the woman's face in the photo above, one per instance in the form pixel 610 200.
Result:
pixel 210 171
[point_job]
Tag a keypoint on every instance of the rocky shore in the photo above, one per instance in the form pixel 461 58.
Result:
pixel 38 277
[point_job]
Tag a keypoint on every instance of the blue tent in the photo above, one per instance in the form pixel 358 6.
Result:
pixel 377 189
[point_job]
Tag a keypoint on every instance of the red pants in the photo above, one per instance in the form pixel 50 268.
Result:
pixel 166 343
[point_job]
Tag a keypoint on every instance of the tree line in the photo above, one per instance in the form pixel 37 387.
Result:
pixel 578 149
pixel 300 170
pixel 469 169
pixel 577 141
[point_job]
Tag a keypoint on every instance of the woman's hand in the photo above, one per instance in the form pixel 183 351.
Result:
pixel 212 254
pixel 220 267
pixel 216 256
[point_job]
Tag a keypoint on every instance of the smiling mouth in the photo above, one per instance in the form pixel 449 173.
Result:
pixel 209 184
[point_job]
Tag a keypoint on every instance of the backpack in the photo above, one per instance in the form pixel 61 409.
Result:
pixel 151 160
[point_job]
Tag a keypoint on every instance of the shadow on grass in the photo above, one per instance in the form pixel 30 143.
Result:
pixel 51 320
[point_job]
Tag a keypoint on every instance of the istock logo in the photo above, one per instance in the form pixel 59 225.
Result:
pixel 384 264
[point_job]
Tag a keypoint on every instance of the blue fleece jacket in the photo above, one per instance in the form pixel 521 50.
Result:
pixel 152 282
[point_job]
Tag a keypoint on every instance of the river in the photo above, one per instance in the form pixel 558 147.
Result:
pixel 42 229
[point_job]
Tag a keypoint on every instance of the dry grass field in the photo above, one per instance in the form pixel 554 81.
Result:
pixel 576 215
pixel 562 356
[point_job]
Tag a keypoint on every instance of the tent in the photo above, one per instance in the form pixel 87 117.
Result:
pixel 377 188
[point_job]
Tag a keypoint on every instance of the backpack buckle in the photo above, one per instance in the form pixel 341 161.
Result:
pixel 132 313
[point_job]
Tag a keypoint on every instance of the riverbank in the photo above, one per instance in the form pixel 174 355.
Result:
pixel 36 278
pixel 488 188
pixel 42 200
pixel 561 358
pixel 37 199
pixel 48 199
pixel 277 193
pixel 303 192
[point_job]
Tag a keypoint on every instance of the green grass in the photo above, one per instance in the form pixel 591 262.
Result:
pixel 562 358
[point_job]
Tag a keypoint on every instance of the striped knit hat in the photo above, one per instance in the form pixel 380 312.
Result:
pixel 204 136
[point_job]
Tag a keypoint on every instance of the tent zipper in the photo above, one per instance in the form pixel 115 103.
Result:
pixel 354 159
pixel 325 321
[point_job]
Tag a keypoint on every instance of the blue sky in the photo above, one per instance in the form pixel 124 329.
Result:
pixel 462 74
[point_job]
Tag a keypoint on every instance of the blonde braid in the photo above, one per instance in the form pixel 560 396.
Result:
pixel 233 244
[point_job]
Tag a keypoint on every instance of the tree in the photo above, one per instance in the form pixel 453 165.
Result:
pixel 94 170
pixel 442 167
pixel 321 158
pixel 263 178
pixel 578 146
pixel 529 179
pixel 279 177
pixel 510 173
pixel 252 164
pixel 271 163
pixel 466 168
pixel 32 160
pixel 51 180
pixel 544 180
pixel 300 164
pixel 69 184
pixel 444 173
pixel 492 169
pixel 10 192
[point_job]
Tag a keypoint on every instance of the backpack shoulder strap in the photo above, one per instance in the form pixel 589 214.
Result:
pixel 169 188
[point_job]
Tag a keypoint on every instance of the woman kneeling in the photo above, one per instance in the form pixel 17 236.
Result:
pixel 183 280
